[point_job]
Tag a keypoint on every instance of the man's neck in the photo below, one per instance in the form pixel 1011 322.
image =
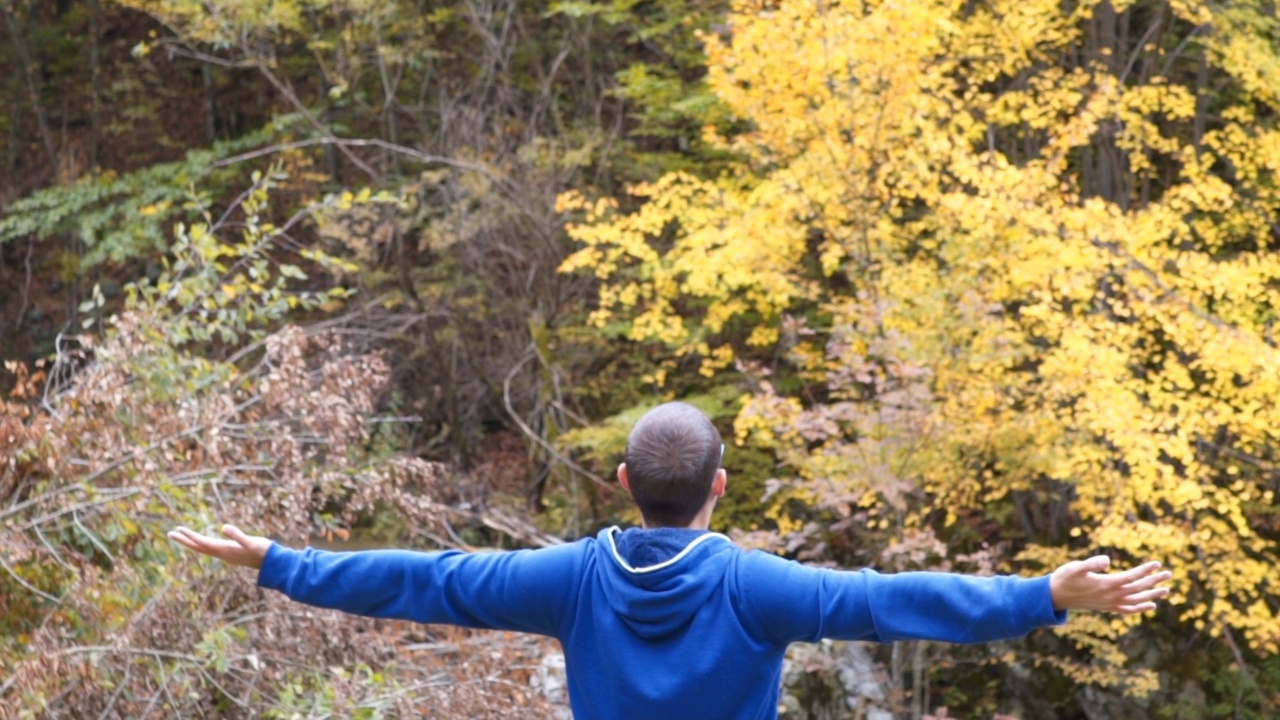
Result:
pixel 648 526
pixel 701 521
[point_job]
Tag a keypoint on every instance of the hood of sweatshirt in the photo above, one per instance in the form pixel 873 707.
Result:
pixel 656 580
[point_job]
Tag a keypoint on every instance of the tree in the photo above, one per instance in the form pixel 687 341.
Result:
pixel 199 402
pixel 1015 258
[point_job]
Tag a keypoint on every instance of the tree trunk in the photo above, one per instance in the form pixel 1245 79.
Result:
pixel 95 83
pixel 32 81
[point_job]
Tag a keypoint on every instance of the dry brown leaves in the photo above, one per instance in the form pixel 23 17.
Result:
pixel 102 616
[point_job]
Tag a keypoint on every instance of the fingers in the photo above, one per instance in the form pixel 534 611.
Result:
pixel 1101 563
pixel 1080 568
pixel 1142 595
pixel 187 533
pixel 1145 596
pixel 1097 563
pixel 187 538
pixel 1137 573
pixel 236 534
pixel 1135 609
pixel 204 544
pixel 1148 581
pixel 179 536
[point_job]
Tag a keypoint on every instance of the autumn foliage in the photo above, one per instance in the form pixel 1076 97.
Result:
pixel 125 437
pixel 1016 273
pixel 979 285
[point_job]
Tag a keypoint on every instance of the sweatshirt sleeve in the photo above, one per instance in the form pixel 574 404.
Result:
pixel 789 602
pixel 523 590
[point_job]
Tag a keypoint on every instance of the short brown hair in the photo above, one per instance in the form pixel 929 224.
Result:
pixel 672 457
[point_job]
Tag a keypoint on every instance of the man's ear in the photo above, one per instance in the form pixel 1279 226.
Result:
pixel 622 477
pixel 719 483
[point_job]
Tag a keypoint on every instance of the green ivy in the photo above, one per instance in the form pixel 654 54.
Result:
pixel 128 216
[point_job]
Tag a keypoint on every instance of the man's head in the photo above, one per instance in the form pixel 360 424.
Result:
pixel 673 464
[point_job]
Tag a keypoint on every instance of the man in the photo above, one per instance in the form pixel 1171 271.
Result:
pixel 671 620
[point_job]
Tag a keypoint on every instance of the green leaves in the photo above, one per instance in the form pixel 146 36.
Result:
pixel 128 216
pixel 606 441
pixel 234 291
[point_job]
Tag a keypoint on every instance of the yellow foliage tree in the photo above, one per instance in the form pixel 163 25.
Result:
pixel 1056 231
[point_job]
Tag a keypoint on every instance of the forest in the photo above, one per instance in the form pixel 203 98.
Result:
pixel 978 286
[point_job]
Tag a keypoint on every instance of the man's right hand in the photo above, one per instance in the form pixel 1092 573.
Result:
pixel 1086 585
pixel 239 549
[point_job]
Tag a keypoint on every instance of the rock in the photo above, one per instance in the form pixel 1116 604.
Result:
pixel 550 680
pixel 832 679
pixel 862 684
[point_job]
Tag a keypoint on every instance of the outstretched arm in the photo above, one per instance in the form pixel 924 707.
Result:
pixel 1086 585
pixel 526 590
pixel 866 605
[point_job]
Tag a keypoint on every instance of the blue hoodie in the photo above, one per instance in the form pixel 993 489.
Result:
pixel 671 623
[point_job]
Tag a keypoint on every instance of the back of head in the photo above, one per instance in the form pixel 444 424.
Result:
pixel 673 453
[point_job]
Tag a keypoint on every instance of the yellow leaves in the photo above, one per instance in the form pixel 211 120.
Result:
pixel 731 246
pixel 1242 43
pixel 719 359
pixel 833 54
pixel 762 415
pixel 1080 128
pixel 657 377
pixel 1065 335
pixel 1099 636
pixel 225 22
pixel 154 209
pixel 570 201
pixel 1196 12
pixel 1052 95
pixel 573 201
pixel 763 336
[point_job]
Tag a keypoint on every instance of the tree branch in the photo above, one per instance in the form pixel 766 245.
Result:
pixel 13 574
pixel 529 432
pixel 367 142
pixel 1167 292
pixel 46 135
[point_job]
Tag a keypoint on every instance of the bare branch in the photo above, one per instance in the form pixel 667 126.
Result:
pixel 13 574
pixel 1166 291
pixel 365 142
pixel 529 432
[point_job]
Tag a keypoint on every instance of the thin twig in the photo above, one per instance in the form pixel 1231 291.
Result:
pixel 529 432
pixel 26 287
pixel 128 671
pixel 261 65
pixel 8 683
pixel 27 585
pixel 320 127
pixel 53 549
pixel 1245 674
pixel 1137 50
pixel 42 119
pixel 236 203
pixel 1181 46
pixel 75 520
pixel 361 142
pixel 1167 292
